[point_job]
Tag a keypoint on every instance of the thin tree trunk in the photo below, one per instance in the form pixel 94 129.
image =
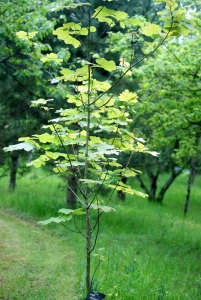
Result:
pixel 190 181
pixel 13 171
pixel 88 251
pixel 165 187
pixel 71 191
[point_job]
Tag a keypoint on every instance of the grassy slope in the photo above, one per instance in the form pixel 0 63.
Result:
pixel 150 251
pixel 32 261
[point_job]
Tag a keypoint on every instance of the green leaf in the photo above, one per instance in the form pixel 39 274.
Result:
pixel 180 15
pixel 22 146
pixel 30 141
pixel 37 163
pixel 52 57
pixel 151 30
pixel 99 85
pixel 56 220
pixel 79 211
pixel 64 33
pixel 171 5
pixel 102 208
pixel 26 36
pixel 68 74
pixel 47 138
pixel 66 211
pixel 95 140
pixel 54 155
pixel 128 96
pixel 92 29
pixel 129 173
pixel 136 21
pixel 75 5
pixel 107 101
pixel 102 13
pixel 41 101
pixel 183 30
pixel 91 181
pixel 69 164
pixel 127 189
pixel 75 100
pixel 72 41
pixel 31 35
pixel 108 65
pixel 84 31
pixel 69 6
pixel 95 165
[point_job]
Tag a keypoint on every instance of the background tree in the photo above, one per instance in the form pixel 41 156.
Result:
pixel 122 44
pixel 22 78
pixel 169 109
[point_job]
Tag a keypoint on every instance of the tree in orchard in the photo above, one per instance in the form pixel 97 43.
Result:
pixel 21 78
pixel 169 110
pixel 94 130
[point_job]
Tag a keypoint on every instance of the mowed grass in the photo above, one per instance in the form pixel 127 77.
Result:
pixel 32 261
pixel 149 251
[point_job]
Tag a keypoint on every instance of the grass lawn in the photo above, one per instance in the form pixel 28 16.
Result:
pixel 34 264
pixel 150 251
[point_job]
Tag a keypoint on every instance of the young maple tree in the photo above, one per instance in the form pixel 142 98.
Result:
pixel 87 137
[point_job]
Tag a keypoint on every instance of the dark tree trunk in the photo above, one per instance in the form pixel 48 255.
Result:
pixel 165 187
pixel 122 195
pixel 71 194
pixel 13 171
pixel 142 184
pixel 190 181
pixel 153 185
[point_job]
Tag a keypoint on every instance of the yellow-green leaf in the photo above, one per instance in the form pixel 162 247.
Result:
pixel 102 208
pixel 108 65
pixel 26 36
pixel 171 5
pixel 151 30
pixel 52 57
pixel 128 96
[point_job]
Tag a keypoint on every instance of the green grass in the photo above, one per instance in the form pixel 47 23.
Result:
pixel 150 251
pixel 38 194
pixel 32 261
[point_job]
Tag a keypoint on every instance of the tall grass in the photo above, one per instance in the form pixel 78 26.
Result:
pixel 148 251
pixel 37 194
